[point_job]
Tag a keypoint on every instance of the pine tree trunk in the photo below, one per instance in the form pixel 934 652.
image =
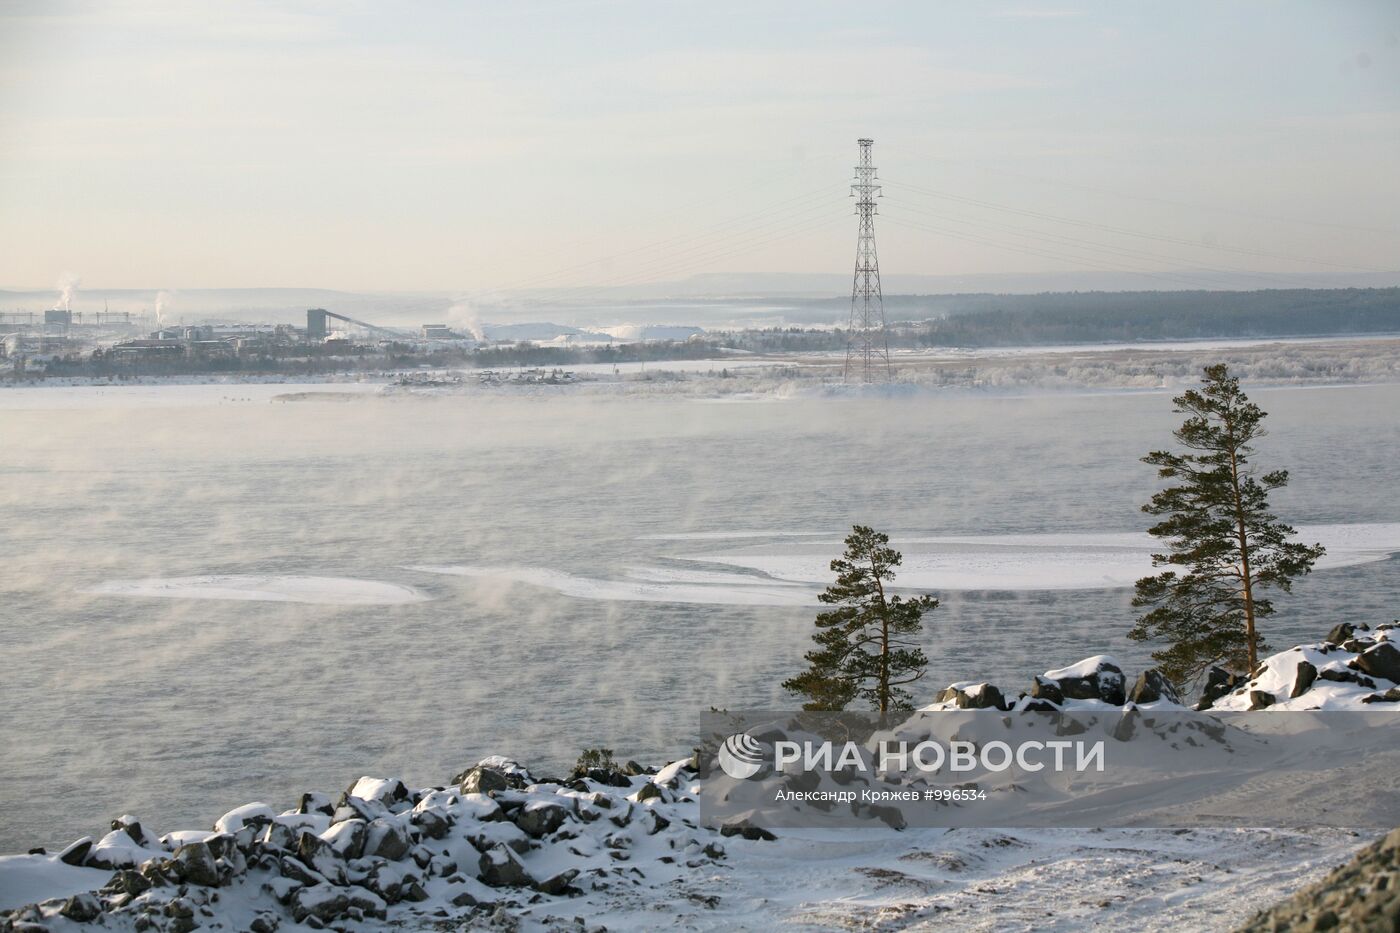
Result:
pixel 884 688
pixel 1247 577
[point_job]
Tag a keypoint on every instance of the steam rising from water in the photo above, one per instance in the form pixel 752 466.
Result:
pixel 305 695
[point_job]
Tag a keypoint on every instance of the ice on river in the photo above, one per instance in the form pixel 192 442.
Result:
pixel 781 571
pixel 328 591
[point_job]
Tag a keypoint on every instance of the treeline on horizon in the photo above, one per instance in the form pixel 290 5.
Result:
pixel 1093 317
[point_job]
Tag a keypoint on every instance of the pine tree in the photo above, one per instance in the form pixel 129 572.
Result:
pixel 863 647
pixel 1229 545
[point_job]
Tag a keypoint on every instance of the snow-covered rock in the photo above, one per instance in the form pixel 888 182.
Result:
pixel 1326 675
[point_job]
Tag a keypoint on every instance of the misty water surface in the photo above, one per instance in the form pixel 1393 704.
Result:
pixel 177 710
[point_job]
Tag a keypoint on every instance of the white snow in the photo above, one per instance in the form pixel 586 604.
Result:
pixel 28 878
pixel 233 820
pixel 329 591
pixel 1083 668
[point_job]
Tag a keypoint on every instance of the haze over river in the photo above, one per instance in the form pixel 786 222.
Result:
pixel 207 604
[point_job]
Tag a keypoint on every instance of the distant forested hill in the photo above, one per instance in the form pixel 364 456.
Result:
pixel 1087 317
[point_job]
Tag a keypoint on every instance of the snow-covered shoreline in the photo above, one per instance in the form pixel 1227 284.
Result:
pixel 623 847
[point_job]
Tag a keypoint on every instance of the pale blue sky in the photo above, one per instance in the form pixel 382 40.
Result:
pixel 482 145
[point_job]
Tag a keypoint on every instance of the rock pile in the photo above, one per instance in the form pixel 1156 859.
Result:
pixel 1354 668
pixel 1362 896
pixel 381 852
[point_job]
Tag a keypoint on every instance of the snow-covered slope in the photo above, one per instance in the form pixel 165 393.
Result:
pixel 498 848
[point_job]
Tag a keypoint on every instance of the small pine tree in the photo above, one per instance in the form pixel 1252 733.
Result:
pixel 1221 533
pixel 863 650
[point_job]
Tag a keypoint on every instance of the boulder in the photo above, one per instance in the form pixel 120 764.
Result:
pixel 746 830
pixel 1303 679
pixel 1219 682
pixel 483 781
pixel 1152 685
pixel 387 840
pixel 973 696
pixel 1260 699
pixel 432 822
pixel 253 814
pixel 1390 696
pixel 366 902
pixel 195 864
pixel 540 818
pixel 321 901
pixel 76 852
pixel 312 802
pixel 1345 677
pixel 385 790
pixel 279 836
pixel 1096 678
pixel 81 908
pixel 1340 633
pixel 1382 660
pixel 298 871
pixel 127 881
pixel 501 867
pixel 1046 690
pixel 557 884
pixel 132 827
pixel 318 855
pixel 347 838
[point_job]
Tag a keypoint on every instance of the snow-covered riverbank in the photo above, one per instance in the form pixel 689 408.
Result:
pixel 624 847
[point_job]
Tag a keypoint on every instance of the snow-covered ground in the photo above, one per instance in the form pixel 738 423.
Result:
pixel 498 848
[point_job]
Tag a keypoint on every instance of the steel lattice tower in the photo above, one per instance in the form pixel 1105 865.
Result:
pixel 867 345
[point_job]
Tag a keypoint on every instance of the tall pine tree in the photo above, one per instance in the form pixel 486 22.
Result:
pixel 1229 547
pixel 864 650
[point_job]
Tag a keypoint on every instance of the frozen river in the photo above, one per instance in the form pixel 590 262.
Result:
pixel 223 601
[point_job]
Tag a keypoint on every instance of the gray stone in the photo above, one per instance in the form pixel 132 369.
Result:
pixel 1106 683
pixel 746 830
pixel 973 696
pixel 195 864
pixel 540 819
pixel 1381 661
pixel 1260 699
pixel 483 781
pixel 1219 682
pixel 1345 677
pixel 432 823
pixel 1304 678
pixel 77 852
pixel 130 882
pixel 1152 685
pixel 82 908
pixel 317 855
pixel 1340 633
pixel 501 867
pixel 557 884
pixel 387 840
pixel 1047 690
pixel 312 802
pixel 321 901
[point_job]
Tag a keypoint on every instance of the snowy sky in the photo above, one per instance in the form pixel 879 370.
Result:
pixel 476 145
